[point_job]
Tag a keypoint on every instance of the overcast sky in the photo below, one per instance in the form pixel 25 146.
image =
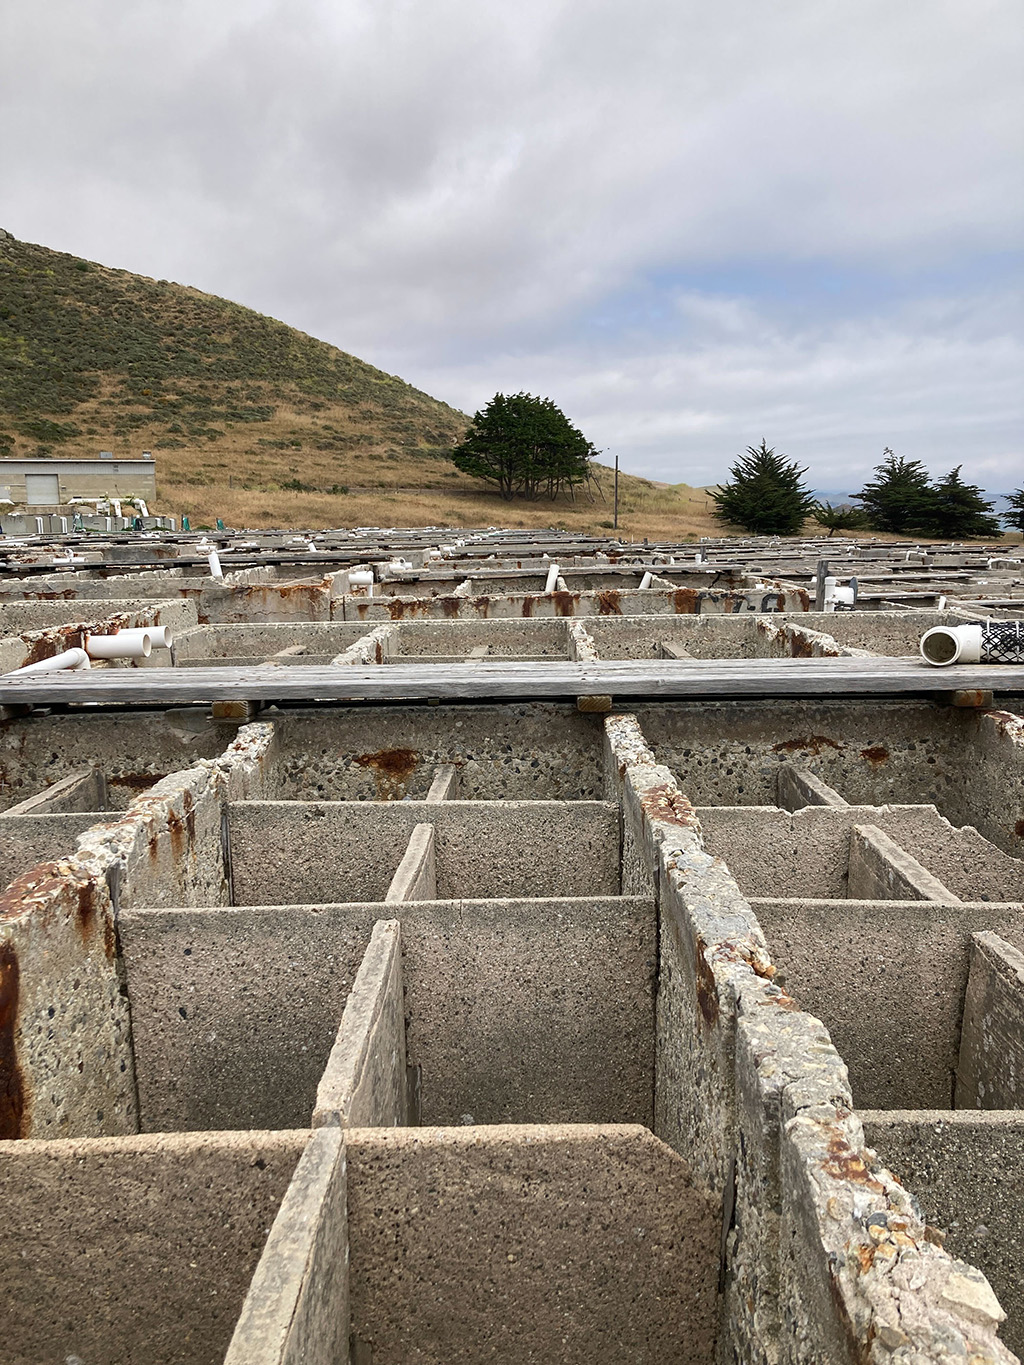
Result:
pixel 692 223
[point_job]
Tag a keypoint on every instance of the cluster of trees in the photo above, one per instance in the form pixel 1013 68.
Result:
pixel 528 447
pixel 766 495
pixel 525 445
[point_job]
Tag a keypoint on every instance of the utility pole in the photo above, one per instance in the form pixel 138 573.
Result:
pixel 616 519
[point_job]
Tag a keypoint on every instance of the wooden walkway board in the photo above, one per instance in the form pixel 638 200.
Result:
pixel 511 680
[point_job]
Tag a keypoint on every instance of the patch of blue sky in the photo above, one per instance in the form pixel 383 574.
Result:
pixel 659 304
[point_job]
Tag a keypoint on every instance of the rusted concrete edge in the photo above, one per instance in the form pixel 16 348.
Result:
pixel 921 1300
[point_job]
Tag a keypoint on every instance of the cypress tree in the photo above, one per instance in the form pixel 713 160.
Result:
pixel 765 494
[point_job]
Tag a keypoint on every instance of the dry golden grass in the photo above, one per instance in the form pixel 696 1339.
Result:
pixel 427 491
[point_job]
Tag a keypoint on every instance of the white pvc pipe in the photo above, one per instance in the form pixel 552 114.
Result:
pixel 160 637
pixel 215 570
pixel 647 580
pixel 552 578
pixel 118 647
pixel 944 645
pixel 70 658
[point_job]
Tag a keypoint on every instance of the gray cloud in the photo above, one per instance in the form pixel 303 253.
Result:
pixel 453 189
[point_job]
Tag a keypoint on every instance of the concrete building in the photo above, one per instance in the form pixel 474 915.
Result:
pixel 52 483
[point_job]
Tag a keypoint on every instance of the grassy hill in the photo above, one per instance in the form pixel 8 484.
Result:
pixel 251 420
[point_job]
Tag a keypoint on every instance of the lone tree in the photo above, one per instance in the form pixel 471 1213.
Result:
pixel 764 494
pixel 959 511
pixel 900 498
pixel 525 445
pixel 1015 516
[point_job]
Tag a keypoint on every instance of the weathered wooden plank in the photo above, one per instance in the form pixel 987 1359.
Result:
pixel 507 679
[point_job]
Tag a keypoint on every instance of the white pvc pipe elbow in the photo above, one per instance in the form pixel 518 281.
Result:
pixel 70 658
pixel 140 646
pixel 944 645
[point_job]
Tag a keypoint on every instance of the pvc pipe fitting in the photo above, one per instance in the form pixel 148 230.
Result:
pixel 117 647
pixel 70 658
pixel 944 645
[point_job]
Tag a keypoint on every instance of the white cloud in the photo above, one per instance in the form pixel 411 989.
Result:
pixel 456 190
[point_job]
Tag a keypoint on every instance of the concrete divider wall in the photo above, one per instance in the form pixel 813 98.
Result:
pixel 255 641
pixel 539 751
pixel 873 753
pixel 895 1014
pixel 808 852
pixel 26 840
pixel 38 750
pixel 515 1009
pixel 753 1092
pixel 364 1084
pixel 990 1073
pixel 289 852
pixel 65 1051
pixel 506 638
pixel 137 1248
pixel 170 847
pixel 297 1310
pixel 586 1245
pixel 607 602
pixel 294 601
pixel 993 743
pixel 962 1168
pixel 65 1046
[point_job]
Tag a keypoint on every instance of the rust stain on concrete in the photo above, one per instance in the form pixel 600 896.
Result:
pixel 811 744
pixel 13 1117
pixel 876 754
pixel 843 1163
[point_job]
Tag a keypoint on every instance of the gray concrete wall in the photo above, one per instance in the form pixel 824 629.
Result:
pixel 515 1010
pixel 135 1249
pixel 38 750
pixel 531 1011
pixel 879 869
pixel 990 1073
pixel 529 751
pixel 505 639
pixel 296 1311
pixel 751 1090
pixel 291 852
pixel 872 753
pixel 65 1048
pixel 26 840
pixel 255 641
pixel 364 1084
pixel 890 985
pixel 807 852
pixel 571 1244
pixel 964 1169
pixel 607 602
